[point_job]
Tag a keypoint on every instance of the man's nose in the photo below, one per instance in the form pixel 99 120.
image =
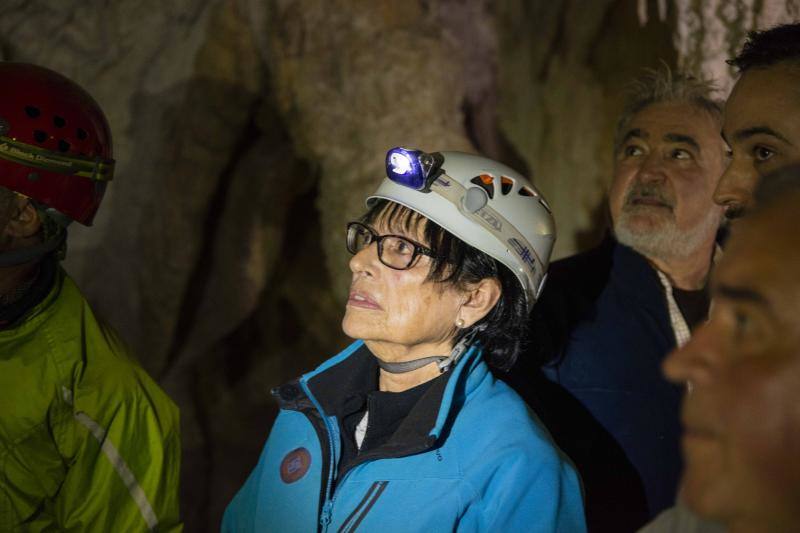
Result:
pixel 694 362
pixel 735 188
pixel 652 168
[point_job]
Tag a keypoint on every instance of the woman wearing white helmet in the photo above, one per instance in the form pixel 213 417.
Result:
pixel 407 429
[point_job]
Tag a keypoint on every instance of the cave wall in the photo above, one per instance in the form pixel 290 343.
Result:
pixel 247 132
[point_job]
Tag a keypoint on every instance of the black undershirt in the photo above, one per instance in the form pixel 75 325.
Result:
pixel 387 410
pixel 693 305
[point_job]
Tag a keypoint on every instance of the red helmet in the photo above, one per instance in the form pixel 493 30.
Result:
pixel 55 143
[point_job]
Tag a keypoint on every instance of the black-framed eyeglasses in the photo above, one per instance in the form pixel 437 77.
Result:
pixel 394 251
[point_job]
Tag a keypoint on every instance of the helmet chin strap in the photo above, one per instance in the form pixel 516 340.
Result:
pixel 31 253
pixel 444 362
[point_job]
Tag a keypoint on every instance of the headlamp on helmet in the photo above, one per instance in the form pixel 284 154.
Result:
pixel 413 168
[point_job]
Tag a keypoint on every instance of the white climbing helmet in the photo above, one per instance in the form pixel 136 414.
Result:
pixel 482 202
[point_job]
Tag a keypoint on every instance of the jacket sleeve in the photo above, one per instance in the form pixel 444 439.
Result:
pixel 240 513
pixel 529 492
pixel 124 462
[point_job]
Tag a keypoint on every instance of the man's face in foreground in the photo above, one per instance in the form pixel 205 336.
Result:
pixel 742 415
pixel 665 172
pixel 762 128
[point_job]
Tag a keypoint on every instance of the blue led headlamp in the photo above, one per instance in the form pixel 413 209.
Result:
pixel 413 168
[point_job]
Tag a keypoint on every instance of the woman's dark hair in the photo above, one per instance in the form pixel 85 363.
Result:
pixel 458 264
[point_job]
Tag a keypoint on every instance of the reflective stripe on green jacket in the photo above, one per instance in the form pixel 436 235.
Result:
pixel 88 441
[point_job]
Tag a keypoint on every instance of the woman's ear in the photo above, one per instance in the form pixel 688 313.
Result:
pixel 24 222
pixel 481 298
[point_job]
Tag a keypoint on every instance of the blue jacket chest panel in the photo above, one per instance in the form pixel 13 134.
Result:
pixel 492 467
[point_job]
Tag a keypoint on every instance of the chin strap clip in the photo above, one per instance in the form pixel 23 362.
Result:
pixel 444 362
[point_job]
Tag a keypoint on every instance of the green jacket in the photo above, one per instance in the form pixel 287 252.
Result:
pixel 88 441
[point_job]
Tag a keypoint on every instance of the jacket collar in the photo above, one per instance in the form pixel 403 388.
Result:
pixel 330 383
pixel 633 274
pixel 37 297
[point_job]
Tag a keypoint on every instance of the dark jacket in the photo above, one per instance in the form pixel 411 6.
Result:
pixel 601 330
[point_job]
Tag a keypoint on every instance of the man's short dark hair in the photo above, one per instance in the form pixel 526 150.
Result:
pixel 769 47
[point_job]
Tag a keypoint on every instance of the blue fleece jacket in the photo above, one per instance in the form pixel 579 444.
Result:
pixel 477 461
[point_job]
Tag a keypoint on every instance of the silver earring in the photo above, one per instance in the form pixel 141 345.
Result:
pixel 460 323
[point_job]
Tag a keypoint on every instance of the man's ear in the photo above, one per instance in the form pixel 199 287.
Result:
pixel 25 222
pixel 481 298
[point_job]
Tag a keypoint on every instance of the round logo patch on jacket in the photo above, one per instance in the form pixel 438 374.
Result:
pixel 295 465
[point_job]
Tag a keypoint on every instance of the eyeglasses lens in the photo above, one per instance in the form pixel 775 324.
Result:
pixel 358 238
pixel 397 252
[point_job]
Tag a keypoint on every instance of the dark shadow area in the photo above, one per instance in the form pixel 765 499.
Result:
pixel 614 495
pixel 613 491
pixel 282 339
pixel 229 176
pixel 199 277
pixel 599 226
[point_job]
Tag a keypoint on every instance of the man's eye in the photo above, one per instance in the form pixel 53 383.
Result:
pixel 632 150
pixel 680 153
pixel 762 153
pixel 742 323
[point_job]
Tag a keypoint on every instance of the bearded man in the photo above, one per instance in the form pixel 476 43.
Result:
pixel 609 316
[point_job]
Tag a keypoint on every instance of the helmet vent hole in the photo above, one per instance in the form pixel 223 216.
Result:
pixel 40 136
pixel 59 122
pixel 63 146
pixel 485 182
pixel 524 191
pixel 506 184
pixel 81 133
pixel 32 111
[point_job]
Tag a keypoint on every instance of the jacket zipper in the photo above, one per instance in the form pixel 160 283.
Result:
pixel 363 508
pixel 308 406
pixel 332 434
pixel 327 509
pixel 324 509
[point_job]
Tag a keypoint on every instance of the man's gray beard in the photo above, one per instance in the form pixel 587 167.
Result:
pixel 666 241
